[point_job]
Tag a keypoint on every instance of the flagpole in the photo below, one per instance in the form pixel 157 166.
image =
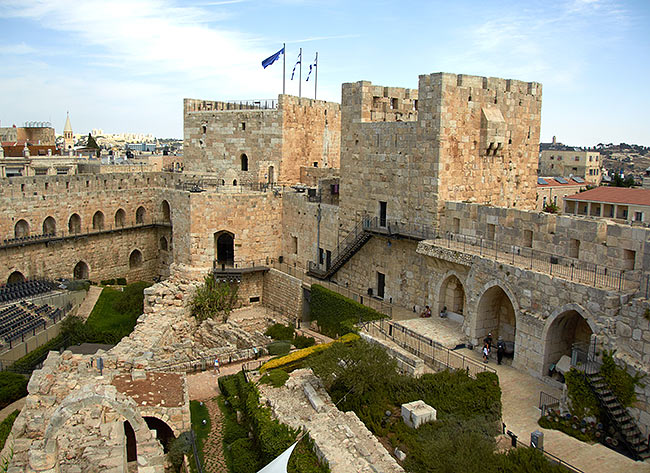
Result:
pixel 316 78
pixel 300 76
pixel 284 67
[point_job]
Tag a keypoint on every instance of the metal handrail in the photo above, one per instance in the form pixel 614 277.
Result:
pixel 454 361
pixel 546 402
pixel 549 456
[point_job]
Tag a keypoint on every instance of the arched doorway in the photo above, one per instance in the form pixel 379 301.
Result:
pixel 80 271
pixel 163 244
pixel 224 248
pixel 140 215
pixel 98 220
pixel 271 175
pixel 74 224
pixel 135 259
pixel 244 162
pixel 496 315
pixel 565 331
pixel 164 432
pixel 16 278
pixel 21 229
pixel 131 442
pixel 120 218
pixel 166 211
pixel 452 296
pixel 49 226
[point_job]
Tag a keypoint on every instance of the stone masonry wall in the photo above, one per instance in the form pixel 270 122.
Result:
pixel 283 293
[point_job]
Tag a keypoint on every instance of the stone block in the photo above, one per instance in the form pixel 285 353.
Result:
pixel 417 413
pixel 313 397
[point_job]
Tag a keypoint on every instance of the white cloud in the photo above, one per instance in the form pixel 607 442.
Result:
pixel 17 49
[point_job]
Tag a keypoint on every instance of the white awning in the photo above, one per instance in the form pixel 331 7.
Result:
pixel 279 465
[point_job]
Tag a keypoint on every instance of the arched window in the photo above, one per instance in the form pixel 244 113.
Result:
pixel 166 211
pixel 21 229
pixel 271 175
pixel 120 218
pixel 224 248
pixel 163 244
pixel 81 271
pixel 135 260
pixel 244 162
pixel 74 224
pixel 49 226
pixel 98 220
pixel 234 182
pixel 140 215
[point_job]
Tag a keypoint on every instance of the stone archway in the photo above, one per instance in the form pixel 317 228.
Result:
pixel 496 313
pixel 98 220
pixel 224 248
pixel 163 244
pixel 21 229
pixel 74 224
pixel 135 259
pixel 452 295
pixel 16 278
pixel 164 432
pixel 49 226
pixel 140 215
pixel 166 211
pixel 567 327
pixel 150 453
pixel 81 271
pixel 120 218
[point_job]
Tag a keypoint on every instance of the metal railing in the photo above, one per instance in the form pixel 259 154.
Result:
pixel 433 353
pixel 221 185
pixel 241 264
pixel 195 452
pixel 572 269
pixel 206 362
pixel 395 228
pixel 342 247
pixel 549 456
pixel 82 232
pixel 252 104
pixel 547 402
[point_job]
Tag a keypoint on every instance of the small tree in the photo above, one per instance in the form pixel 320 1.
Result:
pixel 551 208
pixel 214 299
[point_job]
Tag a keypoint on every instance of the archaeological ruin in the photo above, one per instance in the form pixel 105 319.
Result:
pixel 404 197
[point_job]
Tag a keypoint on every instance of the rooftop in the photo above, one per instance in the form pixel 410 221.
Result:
pixel 560 181
pixel 615 195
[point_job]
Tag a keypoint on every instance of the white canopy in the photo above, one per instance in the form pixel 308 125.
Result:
pixel 279 465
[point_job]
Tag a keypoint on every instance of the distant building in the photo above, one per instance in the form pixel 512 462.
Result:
pixel 619 203
pixel 556 159
pixel 553 190
pixel 68 136
pixel 33 133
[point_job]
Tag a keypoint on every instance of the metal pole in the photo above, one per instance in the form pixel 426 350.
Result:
pixel 300 75
pixel 284 67
pixel 316 78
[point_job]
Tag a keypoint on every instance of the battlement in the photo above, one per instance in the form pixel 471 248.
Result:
pixel 476 83
pixel 366 102
pixel 196 105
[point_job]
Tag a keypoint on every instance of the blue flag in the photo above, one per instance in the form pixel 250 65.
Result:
pixel 314 65
pixel 271 59
pixel 296 65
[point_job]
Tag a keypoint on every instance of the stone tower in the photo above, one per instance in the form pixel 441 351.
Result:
pixel 68 138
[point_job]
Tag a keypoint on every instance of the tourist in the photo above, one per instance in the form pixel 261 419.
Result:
pixel 216 365
pixel 486 353
pixel 443 312
pixel 426 313
pixel 501 348
pixel 488 341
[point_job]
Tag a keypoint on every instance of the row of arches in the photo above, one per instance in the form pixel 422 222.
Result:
pixel 497 311
pixel 81 270
pixel 49 226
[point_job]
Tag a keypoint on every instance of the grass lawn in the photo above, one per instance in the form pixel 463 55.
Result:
pixel 199 413
pixel 118 310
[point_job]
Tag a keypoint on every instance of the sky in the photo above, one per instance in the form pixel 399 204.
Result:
pixel 126 65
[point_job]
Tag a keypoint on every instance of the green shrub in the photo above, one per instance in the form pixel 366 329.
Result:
pixel 301 341
pixel 278 348
pixel 13 386
pixel 108 282
pixel 29 362
pixel 121 281
pixel 275 378
pixel 214 299
pixel 565 426
pixel 178 448
pixel 620 381
pixel 78 285
pixel 584 402
pixel 526 460
pixel 243 456
pixel 5 427
pixel 336 315
pixel 280 332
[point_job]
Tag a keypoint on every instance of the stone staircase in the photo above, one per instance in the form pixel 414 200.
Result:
pixel 621 419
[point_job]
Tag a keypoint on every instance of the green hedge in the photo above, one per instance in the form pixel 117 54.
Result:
pixel 5 427
pixel 280 332
pixel 275 378
pixel 336 315
pixel 199 413
pixel 301 342
pixel 269 437
pixel 278 348
pixel 13 386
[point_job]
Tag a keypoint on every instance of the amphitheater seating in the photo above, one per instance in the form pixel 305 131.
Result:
pixel 25 318
pixel 21 290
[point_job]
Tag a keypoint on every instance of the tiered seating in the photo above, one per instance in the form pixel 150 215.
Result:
pixel 20 290
pixel 18 320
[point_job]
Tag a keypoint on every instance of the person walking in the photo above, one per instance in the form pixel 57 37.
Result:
pixel 486 353
pixel 501 349
pixel 216 365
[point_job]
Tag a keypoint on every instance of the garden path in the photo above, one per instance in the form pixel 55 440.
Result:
pixel 89 302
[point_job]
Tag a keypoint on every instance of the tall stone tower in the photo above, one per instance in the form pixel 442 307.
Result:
pixel 68 138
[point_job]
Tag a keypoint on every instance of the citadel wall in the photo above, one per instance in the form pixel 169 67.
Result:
pixel 258 142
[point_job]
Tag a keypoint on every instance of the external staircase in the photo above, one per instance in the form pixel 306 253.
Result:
pixel 619 417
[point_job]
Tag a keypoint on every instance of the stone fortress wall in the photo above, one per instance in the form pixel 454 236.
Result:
pixel 251 143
